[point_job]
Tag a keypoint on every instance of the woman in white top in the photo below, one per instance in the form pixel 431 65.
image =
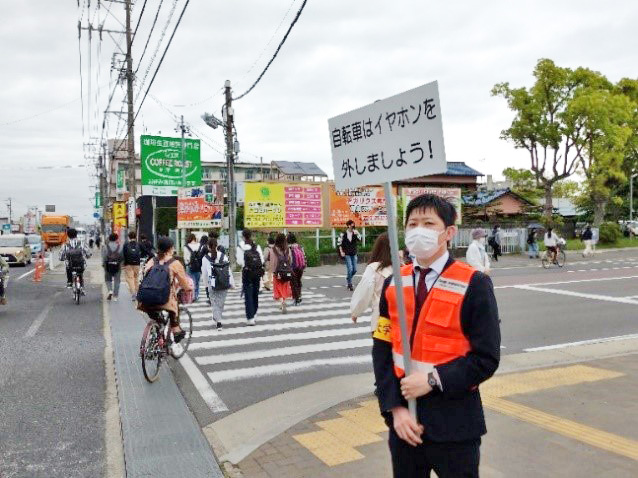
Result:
pixel 217 297
pixel 476 255
pixel 368 291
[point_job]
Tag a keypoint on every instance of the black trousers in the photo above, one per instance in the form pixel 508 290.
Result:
pixel 251 296
pixel 295 283
pixel 448 460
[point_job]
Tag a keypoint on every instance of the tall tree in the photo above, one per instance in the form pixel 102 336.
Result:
pixel 539 125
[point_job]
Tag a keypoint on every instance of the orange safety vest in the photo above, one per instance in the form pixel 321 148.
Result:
pixel 438 337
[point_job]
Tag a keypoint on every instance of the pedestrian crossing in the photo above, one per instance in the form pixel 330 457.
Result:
pixel 317 335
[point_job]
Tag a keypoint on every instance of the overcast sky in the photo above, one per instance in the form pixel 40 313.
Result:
pixel 340 56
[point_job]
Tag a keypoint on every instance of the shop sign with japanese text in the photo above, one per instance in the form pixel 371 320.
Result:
pixel 162 164
pixel 195 211
pixel 397 138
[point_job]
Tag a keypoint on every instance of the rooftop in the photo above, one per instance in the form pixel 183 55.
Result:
pixel 459 168
pixel 481 198
pixel 295 168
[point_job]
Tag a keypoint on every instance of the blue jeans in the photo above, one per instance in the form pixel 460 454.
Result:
pixel 532 250
pixel 195 276
pixel 351 268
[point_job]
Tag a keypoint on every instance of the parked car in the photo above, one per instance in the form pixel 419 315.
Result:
pixel 15 249
pixel 37 246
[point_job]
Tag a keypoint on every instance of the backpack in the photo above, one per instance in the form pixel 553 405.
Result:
pixel 113 259
pixel 253 268
pixel 132 253
pixel 284 271
pixel 298 258
pixel 155 289
pixel 491 242
pixel 195 264
pixel 220 274
pixel 75 258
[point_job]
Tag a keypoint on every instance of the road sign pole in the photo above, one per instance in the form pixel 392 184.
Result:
pixel 393 236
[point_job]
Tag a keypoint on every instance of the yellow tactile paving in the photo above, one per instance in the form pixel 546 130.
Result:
pixel 349 432
pixel 537 380
pixel 328 448
pixel 583 433
pixel 366 417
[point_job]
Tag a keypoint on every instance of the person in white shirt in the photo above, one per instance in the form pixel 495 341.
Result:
pixel 217 297
pixel 368 291
pixel 476 255
pixel 245 245
pixel 551 241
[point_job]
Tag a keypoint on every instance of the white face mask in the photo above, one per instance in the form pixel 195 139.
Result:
pixel 481 241
pixel 422 242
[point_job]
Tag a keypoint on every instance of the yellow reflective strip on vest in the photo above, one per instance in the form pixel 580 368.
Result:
pixel 383 330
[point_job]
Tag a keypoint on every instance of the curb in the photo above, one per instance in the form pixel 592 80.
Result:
pixel 235 436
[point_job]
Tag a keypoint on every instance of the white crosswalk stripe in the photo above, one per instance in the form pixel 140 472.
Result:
pixel 316 335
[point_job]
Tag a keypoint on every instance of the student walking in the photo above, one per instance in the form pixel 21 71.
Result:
pixel 475 254
pixel 495 242
pixel 112 263
pixel 587 238
pixel 218 279
pixel 298 264
pixel 452 314
pixel 268 263
pixel 251 274
pixel 282 275
pixel 348 243
pixel 132 255
pixel 193 254
pixel 368 291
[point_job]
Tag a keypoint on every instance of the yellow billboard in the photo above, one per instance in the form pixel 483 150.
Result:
pixel 279 205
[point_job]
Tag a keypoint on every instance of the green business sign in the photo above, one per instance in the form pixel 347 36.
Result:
pixel 98 200
pixel 120 181
pixel 162 164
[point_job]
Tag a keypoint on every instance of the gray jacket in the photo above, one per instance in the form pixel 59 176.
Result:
pixel 111 246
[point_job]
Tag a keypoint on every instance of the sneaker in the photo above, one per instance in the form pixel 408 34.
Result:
pixel 251 322
pixel 109 296
pixel 69 285
pixel 219 326
pixel 350 287
pixel 114 298
pixel 82 292
pixel 283 308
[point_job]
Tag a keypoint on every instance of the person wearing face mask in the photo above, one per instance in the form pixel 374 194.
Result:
pixel 476 255
pixel 452 316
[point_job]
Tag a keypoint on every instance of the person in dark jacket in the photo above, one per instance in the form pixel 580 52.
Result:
pixel 452 313
pixel 348 243
pixel 587 237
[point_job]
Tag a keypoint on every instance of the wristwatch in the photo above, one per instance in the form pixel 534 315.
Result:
pixel 432 381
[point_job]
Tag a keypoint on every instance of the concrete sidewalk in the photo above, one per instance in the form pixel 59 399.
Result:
pixel 160 435
pixel 576 415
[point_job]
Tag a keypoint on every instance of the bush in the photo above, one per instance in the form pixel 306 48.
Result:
pixel 312 254
pixel 609 233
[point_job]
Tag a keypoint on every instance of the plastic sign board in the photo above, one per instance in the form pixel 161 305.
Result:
pixel 119 215
pixel 120 185
pixel 194 211
pixel 453 195
pixel 278 205
pixel 6 227
pixel 162 164
pixel 397 138
pixel 365 206
pixel 49 208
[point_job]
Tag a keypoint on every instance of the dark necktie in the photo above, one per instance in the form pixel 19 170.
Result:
pixel 421 290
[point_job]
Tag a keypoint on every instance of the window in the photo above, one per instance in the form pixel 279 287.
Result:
pixel 250 174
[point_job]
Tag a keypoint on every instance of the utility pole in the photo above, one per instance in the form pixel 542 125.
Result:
pixel 230 153
pixel 183 129
pixel 129 98
pixel 102 180
pixel 631 196
pixel 9 208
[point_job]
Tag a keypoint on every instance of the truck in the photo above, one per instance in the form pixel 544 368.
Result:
pixel 54 227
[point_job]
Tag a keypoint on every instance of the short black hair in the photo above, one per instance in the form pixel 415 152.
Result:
pixel 350 221
pixel 164 244
pixel 113 237
pixel 203 240
pixel 131 235
pixel 271 240
pixel 291 238
pixel 443 208
pixel 247 234
pixel 72 233
pixel 214 234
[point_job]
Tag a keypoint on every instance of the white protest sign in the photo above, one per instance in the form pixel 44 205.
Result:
pixel 400 137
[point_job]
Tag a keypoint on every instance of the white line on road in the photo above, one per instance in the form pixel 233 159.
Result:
pixel 201 384
pixel 315 334
pixel 582 342
pixel 26 274
pixel 564 282
pixel 263 304
pixel 305 324
pixel 274 308
pixel 40 318
pixel 269 318
pixel 285 368
pixel 284 351
pixel 605 298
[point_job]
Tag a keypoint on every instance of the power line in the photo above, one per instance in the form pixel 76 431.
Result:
pixel 41 113
pixel 81 79
pixel 149 35
pixel 139 20
pixel 294 21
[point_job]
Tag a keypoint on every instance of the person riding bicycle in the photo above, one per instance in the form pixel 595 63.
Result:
pixel 74 254
pixel 4 273
pixel 178 279
pixel 552 242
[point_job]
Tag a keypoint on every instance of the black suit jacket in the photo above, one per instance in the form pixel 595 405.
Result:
pixel 456 412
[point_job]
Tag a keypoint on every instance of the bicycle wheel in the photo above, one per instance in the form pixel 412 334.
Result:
pixel 150 352
pixel 545 261
pixel 186 323
pixel 560 259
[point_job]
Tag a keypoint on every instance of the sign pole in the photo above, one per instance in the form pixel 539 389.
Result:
pixel 393 236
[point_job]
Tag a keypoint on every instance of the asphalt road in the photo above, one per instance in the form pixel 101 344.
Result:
pixel 51 380
pixel 586 300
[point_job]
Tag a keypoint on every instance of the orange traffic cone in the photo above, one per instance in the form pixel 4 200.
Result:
pixel 39 269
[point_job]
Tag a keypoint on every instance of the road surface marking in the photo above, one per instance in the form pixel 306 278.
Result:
pixel 316 334
pixel 284 351
pixel 40 318
pixel 269 318
pixel 564 282
pixel 285 368
pixel 26 274
pixel 274 307
pixel 582 342
pixel 282 326
pixel 201 384
pixel 570 293
pixel 263 300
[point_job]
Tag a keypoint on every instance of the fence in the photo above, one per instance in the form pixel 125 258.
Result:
pixel 512 240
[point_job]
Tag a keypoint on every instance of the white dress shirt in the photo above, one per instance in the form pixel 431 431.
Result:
pixel 436 268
